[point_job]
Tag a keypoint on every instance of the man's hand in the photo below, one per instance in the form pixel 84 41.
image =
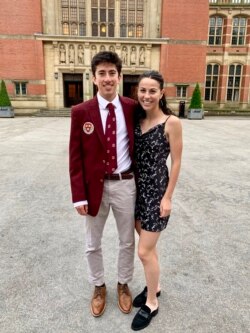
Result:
pixel 82 210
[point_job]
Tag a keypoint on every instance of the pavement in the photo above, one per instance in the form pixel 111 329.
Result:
pixel 204 252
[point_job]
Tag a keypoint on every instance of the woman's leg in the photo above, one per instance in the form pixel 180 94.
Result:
pixel 148 255
pixel 138 226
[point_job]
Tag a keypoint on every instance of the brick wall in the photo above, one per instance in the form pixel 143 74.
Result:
pixel 21 55
pixel 183 59
pixel 24 17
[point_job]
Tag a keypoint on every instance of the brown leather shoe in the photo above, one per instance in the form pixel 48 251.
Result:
pixel 98 302
pixel 124 298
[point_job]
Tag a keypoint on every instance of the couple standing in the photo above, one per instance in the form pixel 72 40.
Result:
pixel 118 153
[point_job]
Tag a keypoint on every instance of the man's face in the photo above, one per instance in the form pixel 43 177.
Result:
pixel 106 79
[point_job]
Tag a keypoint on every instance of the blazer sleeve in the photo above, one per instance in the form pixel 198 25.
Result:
pixel 77 180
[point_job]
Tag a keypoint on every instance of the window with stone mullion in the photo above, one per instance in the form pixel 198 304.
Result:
pixel 239 31
pixel 73 17
pixel 131 18
pixel 234 81
pixel 212 79
pixel 103 18
pixel 215 30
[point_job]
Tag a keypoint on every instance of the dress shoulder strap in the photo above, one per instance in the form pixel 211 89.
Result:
pixel 167 119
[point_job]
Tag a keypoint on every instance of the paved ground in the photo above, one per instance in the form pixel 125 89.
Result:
pixel 204 250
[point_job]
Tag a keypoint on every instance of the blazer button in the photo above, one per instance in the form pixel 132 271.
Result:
pixel 101 180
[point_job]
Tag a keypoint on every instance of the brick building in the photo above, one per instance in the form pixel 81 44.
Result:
pixel 227 59
pixel 46 48
pixel 21 54
pixel 183 58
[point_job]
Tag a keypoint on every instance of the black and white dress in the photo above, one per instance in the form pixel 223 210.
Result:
pixel 151 152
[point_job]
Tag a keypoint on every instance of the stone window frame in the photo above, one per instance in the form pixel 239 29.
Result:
pixel 131 18
pixel 212 82
pixel 20 88
pixel 215 31
pixel 235 71
pixel 103 18
pixel 238 36
pixel 73 17
pixel 181 90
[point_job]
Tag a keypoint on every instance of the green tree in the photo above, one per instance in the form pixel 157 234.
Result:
pixel 4 97
pixel 196 102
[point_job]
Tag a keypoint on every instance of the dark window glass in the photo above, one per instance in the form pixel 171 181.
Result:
pixel 94 29
pixel 131 18
pixel 239 31
pixel 73 14
pixel 94 15
pixel 215 30
pixel 233 84
pixel 21 88
pixel 216 69
pixel 211 85
pixel 103 15
pixel 123 30
pixel 209 69
pixel 111 30
pixel 111 15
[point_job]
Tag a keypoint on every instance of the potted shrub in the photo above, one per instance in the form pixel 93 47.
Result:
pixel 195 108
pixel 6 110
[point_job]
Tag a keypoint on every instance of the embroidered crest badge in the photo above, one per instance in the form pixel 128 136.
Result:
pixel 88 128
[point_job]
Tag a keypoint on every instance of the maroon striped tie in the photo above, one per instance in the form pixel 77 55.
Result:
pixel 110 134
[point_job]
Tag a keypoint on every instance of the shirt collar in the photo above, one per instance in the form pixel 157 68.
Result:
pixel 103 102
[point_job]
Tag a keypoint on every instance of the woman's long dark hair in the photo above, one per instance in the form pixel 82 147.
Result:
pixel 140 113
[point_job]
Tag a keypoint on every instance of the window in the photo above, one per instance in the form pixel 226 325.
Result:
pixel 215 30
pixel 212 79
pixel 103 18
pixel 234 80
pixel 21 88
pixel 131 18
pixel 229 1
pixel 239 31
pixel 181 91
pixel 73 17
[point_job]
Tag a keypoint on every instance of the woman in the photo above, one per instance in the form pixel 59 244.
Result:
pixel 158 133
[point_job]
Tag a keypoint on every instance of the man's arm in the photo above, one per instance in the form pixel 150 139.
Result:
pixel 76 159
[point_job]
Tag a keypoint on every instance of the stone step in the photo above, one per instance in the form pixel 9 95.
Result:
pixel 53 113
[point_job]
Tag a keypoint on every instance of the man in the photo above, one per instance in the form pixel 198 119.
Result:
pixel 101 149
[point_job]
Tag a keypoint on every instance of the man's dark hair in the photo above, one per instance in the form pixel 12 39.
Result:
pixel 106 56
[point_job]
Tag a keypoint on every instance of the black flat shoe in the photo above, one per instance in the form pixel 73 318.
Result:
pixel 143 318
pixel 142 297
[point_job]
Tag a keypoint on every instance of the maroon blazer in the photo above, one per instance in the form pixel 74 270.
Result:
pixel 87 150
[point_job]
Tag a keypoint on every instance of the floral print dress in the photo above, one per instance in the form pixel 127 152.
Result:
pixel 151 152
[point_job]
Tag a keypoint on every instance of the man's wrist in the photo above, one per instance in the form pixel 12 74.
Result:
pixel 80 203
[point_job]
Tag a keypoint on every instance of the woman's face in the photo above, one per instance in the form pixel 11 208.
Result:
pixel 149 94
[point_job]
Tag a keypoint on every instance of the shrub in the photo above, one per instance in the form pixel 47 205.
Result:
pixel 196 102
pixel 4 97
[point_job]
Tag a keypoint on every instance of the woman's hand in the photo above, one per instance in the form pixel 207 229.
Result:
pixel 165 207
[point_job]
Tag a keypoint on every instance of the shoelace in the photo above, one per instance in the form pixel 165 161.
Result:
pixel 98 291
pixel 124 289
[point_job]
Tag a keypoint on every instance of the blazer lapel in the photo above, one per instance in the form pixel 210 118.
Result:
pixel 97 121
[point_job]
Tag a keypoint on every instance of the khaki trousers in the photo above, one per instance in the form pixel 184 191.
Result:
pixel 120 196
